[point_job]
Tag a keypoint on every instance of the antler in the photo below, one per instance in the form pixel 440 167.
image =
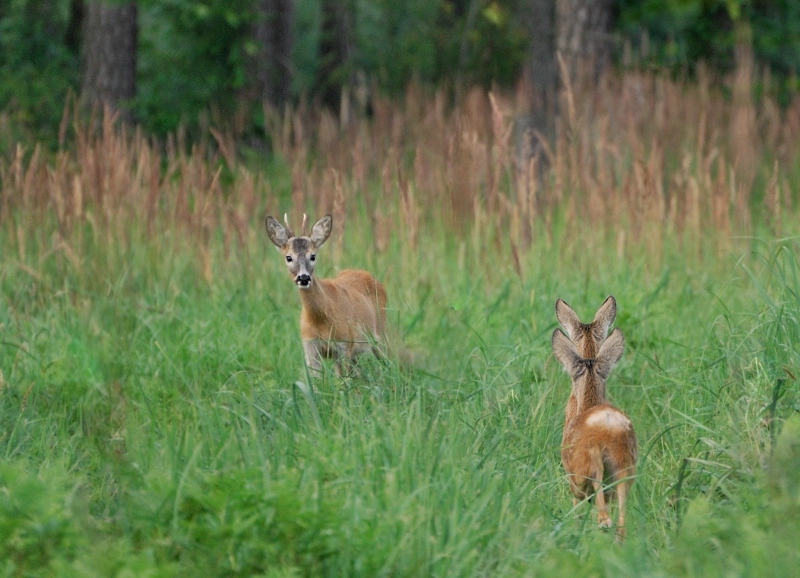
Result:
pixel 303 230
pixel 289 233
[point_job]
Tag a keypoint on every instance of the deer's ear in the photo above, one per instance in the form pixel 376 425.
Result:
pixel 321 230
pixel 610 353
pixel 565 351
pixel 605 317
pixel 568 318
pixel 276 232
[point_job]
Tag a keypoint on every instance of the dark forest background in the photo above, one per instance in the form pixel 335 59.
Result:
pixel 165 64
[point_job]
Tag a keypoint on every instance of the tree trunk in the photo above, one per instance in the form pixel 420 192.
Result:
pixel 109 55
pixel 584 37
pixel 541 72
pixel 272 68
pixel 337 51
pixel 72 38
pixel 579 31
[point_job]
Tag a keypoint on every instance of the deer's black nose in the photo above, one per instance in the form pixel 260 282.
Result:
pixel 304 280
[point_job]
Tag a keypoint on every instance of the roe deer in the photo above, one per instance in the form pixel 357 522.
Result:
pixel 599 444
pixel 587 337
pixel 342 317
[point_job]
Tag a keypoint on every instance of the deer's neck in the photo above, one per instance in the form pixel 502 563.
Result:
pixel 571 411
pixel 589 392
pixel 586 342
pixel 315 301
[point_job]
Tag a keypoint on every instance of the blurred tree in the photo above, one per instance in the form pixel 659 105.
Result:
pixel 584 41
pixel 676 34
pixel 37 68
pixel 398 40
pixel 202 62
pixel 541 73
pixel 73 36
pixel 491 43
pixel 337 50
pixel 271 65
pixel 193 64
pixel 571 37
pixel 109 55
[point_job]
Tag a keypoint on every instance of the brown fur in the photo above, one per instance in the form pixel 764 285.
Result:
pixel 587 337
pixel 341 317
pixel 599 443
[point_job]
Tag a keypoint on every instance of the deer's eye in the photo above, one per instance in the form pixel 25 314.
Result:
pixel 288 258
pixel 313 257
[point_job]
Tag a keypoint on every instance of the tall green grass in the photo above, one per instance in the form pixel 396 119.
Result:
pixel 157 418
pixel 168 421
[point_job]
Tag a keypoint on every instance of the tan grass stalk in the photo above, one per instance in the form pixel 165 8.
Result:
pixel 298 188
pixel 339 216
pixel 772 202
pixel 645 153
pixel 24 403
pixel 743 133
pixel 410 212
pixel 227 146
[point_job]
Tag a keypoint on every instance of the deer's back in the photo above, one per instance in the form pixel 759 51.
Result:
pixel 363 283
pixel 603 430
pixel 355 307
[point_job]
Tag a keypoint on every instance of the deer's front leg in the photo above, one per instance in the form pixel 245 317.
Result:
pixel 314 354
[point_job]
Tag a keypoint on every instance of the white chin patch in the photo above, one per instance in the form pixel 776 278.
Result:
pixel 608 418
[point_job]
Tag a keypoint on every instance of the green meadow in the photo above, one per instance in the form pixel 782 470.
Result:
pixel 157 419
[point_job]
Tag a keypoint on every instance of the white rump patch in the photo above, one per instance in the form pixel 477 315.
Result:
pixel 609 418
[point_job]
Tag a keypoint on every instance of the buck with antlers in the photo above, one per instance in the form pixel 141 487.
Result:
pixel 341 317
pixel 599 448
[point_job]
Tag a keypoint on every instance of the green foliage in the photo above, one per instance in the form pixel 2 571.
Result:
pixel 192 59
pixel 156 423
pixel 193 55
pixel 38 67
pixel 681 33
pixel 750 533
pixel 36 525
pixel 489 42
pixel 783 473
pixel 308 22
pixel 440 42
pixel 397 41
pixel 45 529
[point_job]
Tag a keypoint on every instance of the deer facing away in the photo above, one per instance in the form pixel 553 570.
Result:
pixel 341 318
pixel 587 337
pixel 599 444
